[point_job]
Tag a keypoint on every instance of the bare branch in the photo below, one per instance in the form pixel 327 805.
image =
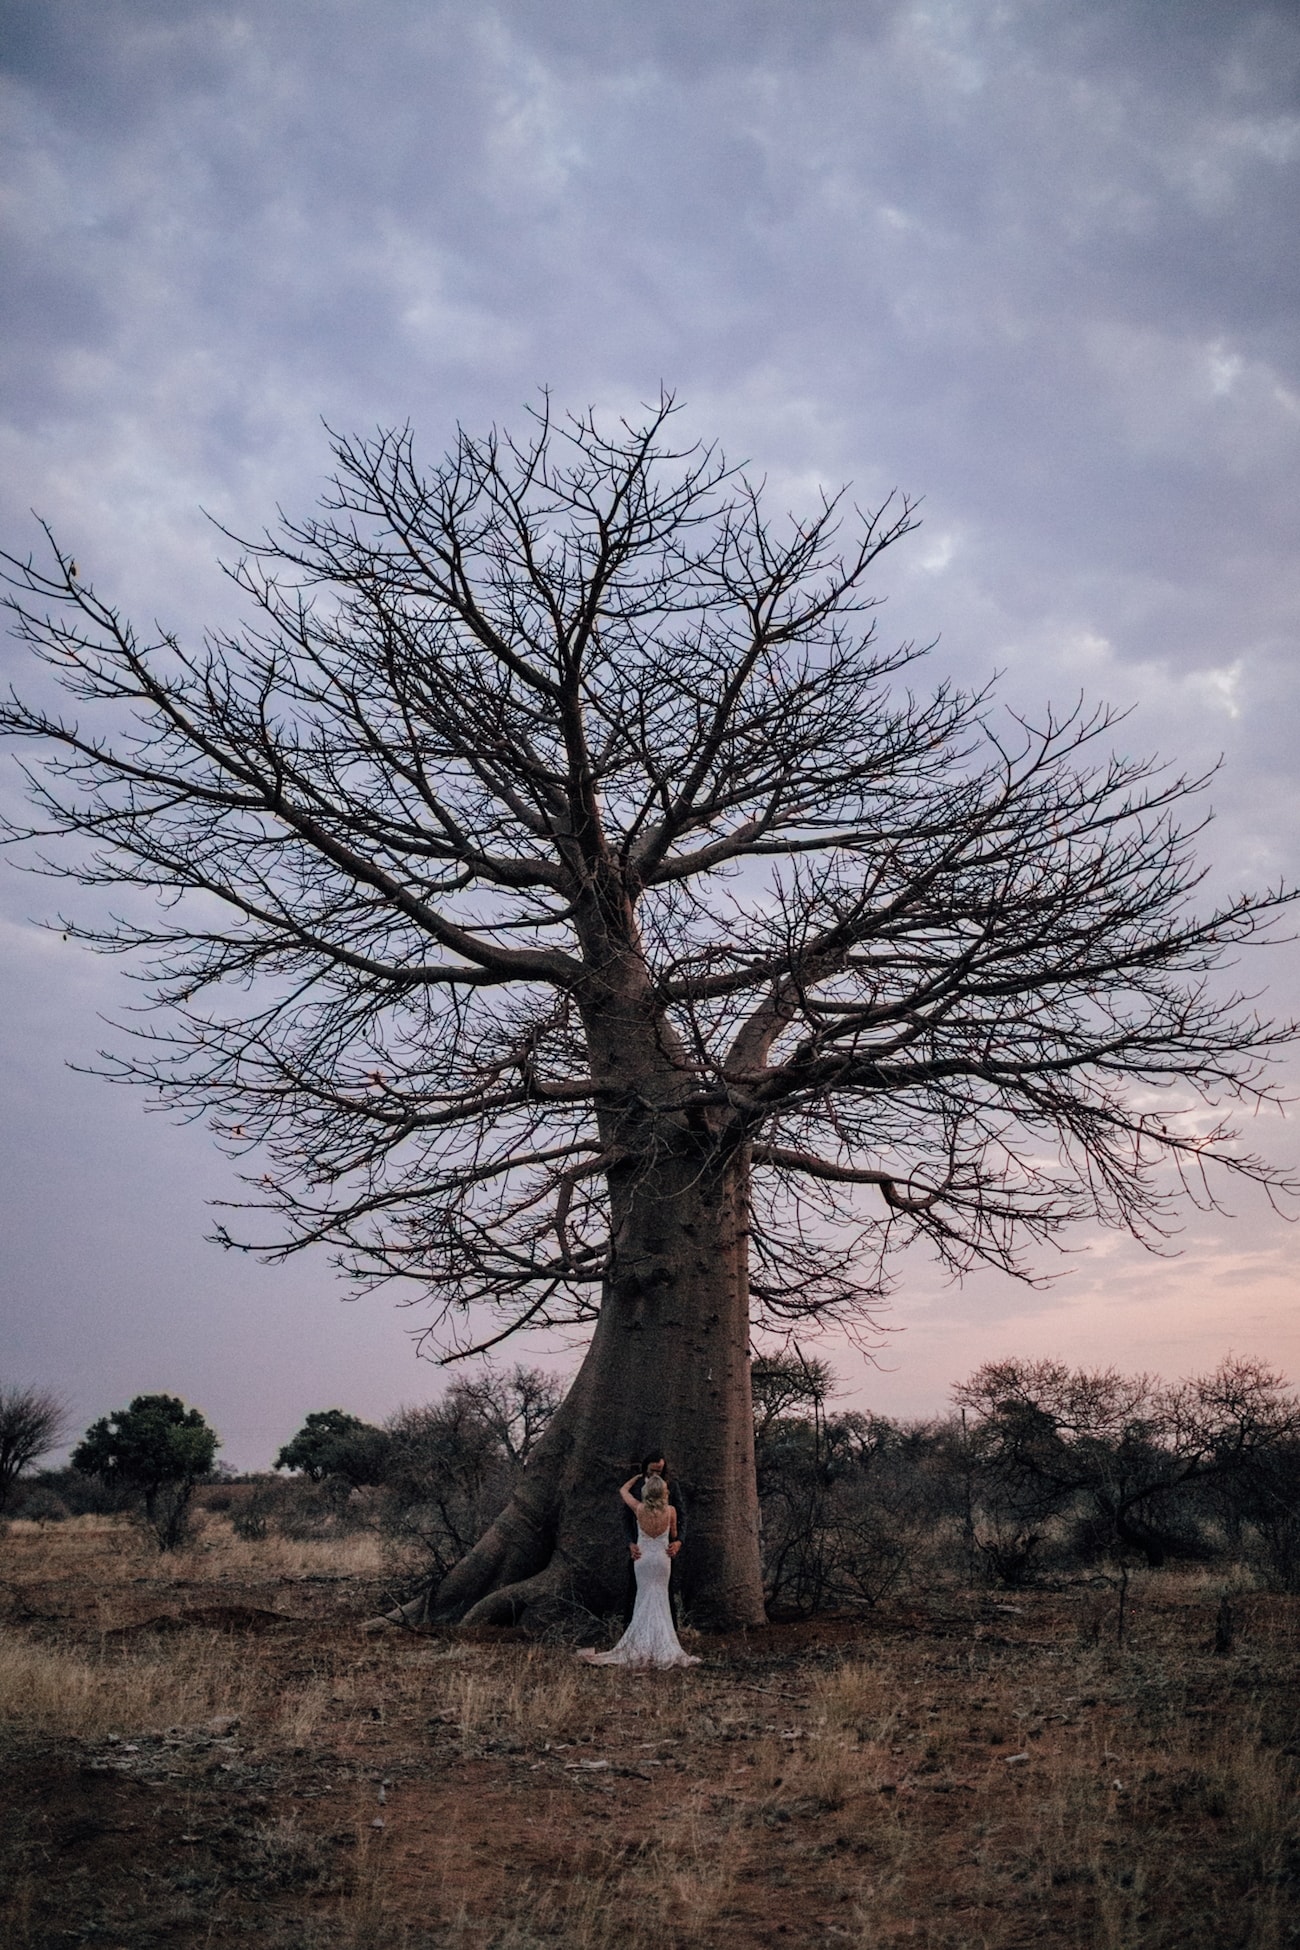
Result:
pixel 556 838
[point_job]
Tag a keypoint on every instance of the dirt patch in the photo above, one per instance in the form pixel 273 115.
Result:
pixel 212 1618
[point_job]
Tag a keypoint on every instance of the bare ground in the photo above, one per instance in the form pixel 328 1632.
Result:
pixel 209 1751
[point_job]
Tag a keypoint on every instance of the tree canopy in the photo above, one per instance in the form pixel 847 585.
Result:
pixel 334 1443
pixel 156 1449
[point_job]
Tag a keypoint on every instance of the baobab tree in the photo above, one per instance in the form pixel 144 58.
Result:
pixel 564 897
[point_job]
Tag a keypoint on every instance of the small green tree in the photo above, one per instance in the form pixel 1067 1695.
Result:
pixel 332 1443
pixel 155 1451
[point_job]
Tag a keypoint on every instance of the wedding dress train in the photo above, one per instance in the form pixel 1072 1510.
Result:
pixel 650 1639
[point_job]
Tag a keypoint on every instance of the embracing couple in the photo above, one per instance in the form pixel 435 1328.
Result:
pixel 650 1639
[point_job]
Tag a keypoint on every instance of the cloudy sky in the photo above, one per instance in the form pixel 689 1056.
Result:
pixel 1033 259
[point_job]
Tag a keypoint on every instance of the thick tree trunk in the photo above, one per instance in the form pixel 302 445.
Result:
pixel 667 1369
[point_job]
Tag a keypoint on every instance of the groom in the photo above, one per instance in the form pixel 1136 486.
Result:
pixel 654 1465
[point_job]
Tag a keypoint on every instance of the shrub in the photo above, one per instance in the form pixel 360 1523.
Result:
pixel 38 1504
pixel 81 1495
pixel 1266 1506
pixel 451 1465
pixel 251 1513
pixel 851 1505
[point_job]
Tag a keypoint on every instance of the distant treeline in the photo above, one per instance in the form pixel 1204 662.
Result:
pixel 1042 1472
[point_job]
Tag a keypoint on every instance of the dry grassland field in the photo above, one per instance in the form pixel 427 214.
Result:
pixel 208 1749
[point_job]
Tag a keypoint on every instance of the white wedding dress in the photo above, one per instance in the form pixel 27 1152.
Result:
pixel 650 1639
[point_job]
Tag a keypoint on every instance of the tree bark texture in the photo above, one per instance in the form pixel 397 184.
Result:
pixel 668 1368
pixel 668 1364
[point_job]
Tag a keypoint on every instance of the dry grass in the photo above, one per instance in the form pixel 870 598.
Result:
pixel 86 1695
pixel 967 1774
pixel 83 1546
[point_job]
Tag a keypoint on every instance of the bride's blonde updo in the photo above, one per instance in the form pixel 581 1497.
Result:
pixel 654 1494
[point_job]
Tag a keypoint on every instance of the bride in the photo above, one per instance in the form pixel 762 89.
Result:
pixel 650 1639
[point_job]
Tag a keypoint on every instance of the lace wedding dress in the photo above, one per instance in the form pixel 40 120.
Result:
pixel 650 1639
